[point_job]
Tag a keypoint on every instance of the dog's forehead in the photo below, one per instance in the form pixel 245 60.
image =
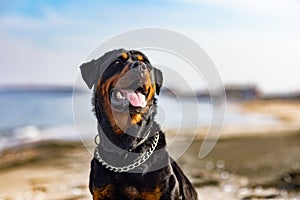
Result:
pixel 137 54
pixel 132 55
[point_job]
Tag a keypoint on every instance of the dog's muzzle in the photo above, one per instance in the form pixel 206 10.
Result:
pixel 139 66
pixel 130 90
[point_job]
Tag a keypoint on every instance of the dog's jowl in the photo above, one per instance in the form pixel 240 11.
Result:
pixel 131 161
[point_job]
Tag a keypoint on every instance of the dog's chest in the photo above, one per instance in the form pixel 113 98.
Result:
pixel 132 192
pixel 126 187
pixel 164 187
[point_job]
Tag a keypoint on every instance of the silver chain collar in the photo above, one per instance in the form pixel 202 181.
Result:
pixel 133 165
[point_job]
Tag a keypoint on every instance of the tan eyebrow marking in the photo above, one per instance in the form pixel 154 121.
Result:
pixel 139 57
pixel 124 55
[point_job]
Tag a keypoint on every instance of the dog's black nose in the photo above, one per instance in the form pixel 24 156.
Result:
pixel 138 65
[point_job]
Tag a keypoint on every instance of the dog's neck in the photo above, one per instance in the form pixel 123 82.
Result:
pixel 113 155
pixel 135 139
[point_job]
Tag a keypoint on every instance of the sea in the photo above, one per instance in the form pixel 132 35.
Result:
pixel 33 116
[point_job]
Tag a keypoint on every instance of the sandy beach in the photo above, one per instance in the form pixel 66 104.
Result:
pixel 246 163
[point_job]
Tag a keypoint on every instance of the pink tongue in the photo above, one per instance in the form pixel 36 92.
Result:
pixel 136 99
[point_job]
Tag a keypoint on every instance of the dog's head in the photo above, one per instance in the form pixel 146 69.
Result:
pixel 124 84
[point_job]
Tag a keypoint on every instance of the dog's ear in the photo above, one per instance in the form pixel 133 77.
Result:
pixel 158 80
pixel 88 73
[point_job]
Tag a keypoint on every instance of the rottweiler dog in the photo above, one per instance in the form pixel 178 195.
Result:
pixel 130 161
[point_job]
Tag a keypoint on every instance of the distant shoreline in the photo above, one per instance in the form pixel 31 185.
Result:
pixel 233 92
pixel 7 89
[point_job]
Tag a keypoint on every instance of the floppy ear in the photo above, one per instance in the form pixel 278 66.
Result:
pixel 88 73
pixel 158 80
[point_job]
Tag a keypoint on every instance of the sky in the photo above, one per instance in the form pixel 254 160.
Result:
pixel 250 41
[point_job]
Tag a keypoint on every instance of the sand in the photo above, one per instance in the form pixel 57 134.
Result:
pixel 45 170
pixel 246 163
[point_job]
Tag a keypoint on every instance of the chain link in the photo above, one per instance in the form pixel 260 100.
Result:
pixel 133 165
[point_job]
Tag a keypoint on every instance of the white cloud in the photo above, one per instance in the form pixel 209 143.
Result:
pixel 21 22
pixel 12 22
pixel 24 62
pixel 271 61
pixel 282 9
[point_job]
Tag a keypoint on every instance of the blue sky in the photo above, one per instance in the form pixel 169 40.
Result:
pixel 250 41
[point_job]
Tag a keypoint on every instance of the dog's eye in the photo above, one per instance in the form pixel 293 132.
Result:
pixel 117 62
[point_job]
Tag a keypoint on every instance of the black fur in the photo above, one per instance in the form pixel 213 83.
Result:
pixel 159 177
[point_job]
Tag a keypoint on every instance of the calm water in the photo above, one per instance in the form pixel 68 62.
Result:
pixel 34 116
pixel 37 109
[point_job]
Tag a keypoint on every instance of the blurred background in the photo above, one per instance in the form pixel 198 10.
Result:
pixel 254 45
